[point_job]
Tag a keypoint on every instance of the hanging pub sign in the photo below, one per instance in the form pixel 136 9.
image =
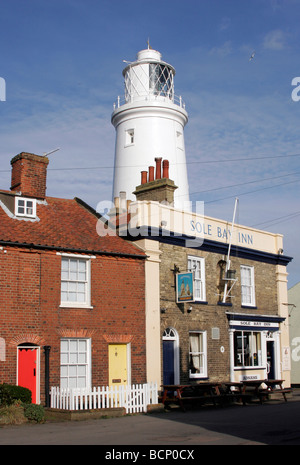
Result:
pixel 184 287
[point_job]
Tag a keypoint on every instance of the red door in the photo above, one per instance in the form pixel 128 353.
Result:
pixel 27 370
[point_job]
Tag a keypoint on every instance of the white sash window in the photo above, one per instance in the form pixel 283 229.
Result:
pixel 197 266
pixel 75 363
pixel 198 354
pixel 75 281
pixel 247 286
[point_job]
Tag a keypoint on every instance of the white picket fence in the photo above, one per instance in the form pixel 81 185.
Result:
pixel 133 398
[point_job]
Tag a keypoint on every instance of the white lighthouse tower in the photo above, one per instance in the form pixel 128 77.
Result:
pixel 149 123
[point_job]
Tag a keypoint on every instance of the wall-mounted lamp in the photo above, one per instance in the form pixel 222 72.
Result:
pixel 163 310
pixel 176 269
pixel 189 309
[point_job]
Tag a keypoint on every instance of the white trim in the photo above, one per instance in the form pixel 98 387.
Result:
pixel 73 255
pixel 128 348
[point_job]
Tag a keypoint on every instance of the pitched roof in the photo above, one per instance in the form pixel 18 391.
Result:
pixel 61 224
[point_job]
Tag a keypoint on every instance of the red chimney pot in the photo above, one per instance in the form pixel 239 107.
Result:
pixel 158 168
pixel 144 177
pixel 166 169
pixel 151 173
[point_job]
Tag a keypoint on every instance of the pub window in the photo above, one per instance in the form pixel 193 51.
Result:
pixel 197 354
pixel 247 349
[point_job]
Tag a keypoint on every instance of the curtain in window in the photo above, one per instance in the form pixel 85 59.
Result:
pixel 195 353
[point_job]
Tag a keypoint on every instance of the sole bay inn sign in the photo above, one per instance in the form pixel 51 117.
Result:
pixel 220 231
pixel 152 219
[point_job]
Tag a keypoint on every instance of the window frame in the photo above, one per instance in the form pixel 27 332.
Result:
pixel 87 282
pixel 258 343
pixel 202 353
pixel 249 287
pixel 202 280
pixel 70 364
pixel 26 207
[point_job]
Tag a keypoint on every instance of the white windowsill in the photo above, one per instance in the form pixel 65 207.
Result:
pixel 75 305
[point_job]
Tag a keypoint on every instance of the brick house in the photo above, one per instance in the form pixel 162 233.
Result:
pixel 72 303
pixel 202 335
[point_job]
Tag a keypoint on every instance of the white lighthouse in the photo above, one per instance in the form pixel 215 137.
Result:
pixel 149 123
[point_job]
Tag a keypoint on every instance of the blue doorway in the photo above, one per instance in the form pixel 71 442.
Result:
pixel 168 362
pixel 170 349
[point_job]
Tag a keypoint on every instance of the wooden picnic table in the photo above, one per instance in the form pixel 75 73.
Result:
pixel 273 389
pixel 218 393
pixel 255 389
pixel 236 385
pixel 236 390
pixel 180 393
pixel 253 383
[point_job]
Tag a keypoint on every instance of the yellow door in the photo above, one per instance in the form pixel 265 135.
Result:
pixel 117 364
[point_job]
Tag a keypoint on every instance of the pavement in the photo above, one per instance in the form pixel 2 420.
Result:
pixel 273 423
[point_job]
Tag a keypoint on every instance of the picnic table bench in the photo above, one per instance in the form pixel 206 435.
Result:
pixel 272 388
pixel 220 393
pixel 252 388
pixel 193 393
pixel 236 391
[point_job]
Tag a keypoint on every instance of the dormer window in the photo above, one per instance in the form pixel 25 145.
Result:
pixel 25 207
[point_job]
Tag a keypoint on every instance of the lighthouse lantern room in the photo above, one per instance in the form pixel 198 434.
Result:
pixel 149 123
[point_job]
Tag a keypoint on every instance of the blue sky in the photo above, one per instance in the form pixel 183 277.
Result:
pixel 62 62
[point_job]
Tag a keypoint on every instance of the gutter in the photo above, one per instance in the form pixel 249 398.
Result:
pixel 72 249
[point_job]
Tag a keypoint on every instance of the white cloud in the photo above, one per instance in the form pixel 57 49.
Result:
pixel 275 40
pixel 223 50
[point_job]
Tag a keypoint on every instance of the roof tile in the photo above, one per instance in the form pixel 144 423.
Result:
pixel 63 223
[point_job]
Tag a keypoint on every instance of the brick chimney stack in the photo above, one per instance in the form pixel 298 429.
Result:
pixel 160 189
pixel 29 174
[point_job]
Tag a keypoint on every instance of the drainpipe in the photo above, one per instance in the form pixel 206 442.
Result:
pixel 47 386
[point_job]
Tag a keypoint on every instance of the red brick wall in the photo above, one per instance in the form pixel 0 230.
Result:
pixel 30 312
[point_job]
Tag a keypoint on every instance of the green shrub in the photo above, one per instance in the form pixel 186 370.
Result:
pixel 9 393
pixel 34 412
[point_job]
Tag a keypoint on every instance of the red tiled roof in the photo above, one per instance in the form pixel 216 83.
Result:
pixel 63 224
